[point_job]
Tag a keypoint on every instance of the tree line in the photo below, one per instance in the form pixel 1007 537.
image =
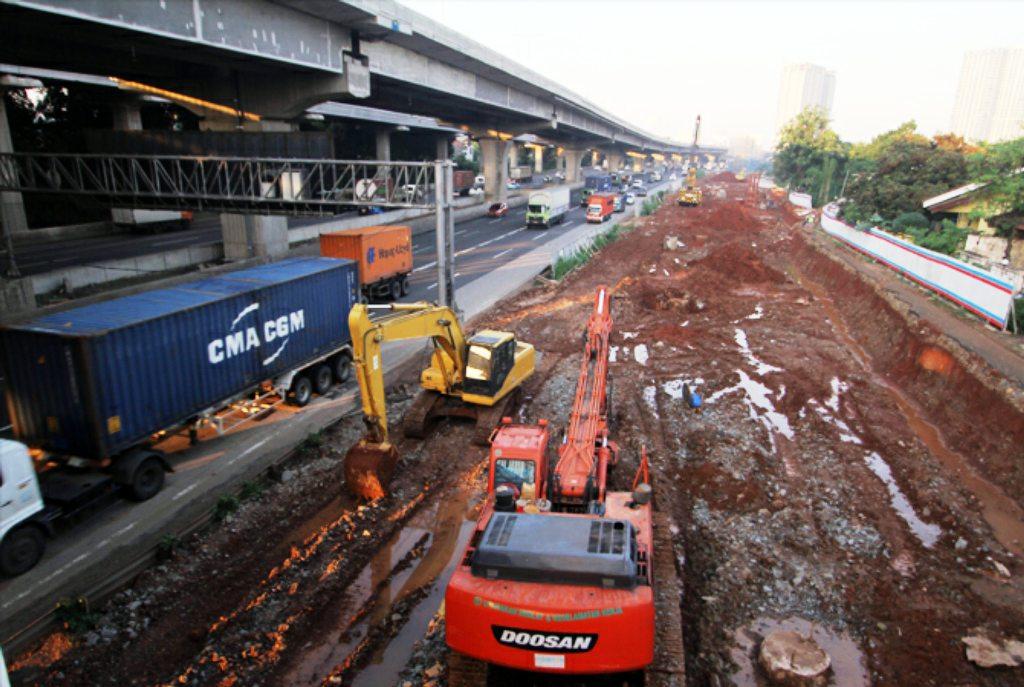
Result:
pixel 884 181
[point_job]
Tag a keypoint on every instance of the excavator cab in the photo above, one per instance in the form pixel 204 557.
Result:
pixel 489 360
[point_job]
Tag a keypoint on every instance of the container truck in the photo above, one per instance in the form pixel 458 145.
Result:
pixel 90 389
pixel 522 173
pixel 599 208
pixel 462 181
pixel 547 208
pixel 384 256
pixel 599 183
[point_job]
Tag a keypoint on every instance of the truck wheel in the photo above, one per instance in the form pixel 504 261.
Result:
pixel 405 285
pixel 21 549
pixel 394 290
pixel 147 481
pixel 323 378
pixel 302 391
pixel 342 367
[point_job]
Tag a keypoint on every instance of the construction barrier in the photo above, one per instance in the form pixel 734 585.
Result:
pixel 987 296
pixel 801 200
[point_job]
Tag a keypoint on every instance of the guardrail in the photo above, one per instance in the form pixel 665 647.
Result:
pixel 981 293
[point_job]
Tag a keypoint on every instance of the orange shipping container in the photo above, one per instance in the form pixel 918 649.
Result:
pixel 384 255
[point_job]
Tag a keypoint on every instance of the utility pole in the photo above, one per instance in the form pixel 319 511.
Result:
pixel 445 233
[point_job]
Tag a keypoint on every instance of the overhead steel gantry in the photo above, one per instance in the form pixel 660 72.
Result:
pixel 259 186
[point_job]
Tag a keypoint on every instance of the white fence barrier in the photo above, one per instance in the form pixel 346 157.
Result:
pixel 801 200
pixel 984 294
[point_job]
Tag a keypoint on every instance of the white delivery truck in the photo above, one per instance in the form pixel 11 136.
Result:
pixel 548 207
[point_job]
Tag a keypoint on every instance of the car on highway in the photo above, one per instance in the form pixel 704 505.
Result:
pixel 513 186
pixel 637 183
pixel 560 176
pixel 547 179
pixel 497 210
pixel 642 192
pixel 630 199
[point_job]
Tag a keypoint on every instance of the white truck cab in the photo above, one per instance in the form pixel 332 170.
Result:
pixel 22 540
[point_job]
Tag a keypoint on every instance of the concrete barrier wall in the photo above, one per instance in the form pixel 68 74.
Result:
pixel 113 270
pixel 980 292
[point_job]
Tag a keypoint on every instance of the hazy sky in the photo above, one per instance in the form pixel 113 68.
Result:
pixel 659 64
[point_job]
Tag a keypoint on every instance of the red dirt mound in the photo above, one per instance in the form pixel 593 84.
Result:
pixel 732 217
pixel 738 264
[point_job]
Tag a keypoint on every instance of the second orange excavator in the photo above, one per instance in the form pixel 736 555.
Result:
pixel 557 576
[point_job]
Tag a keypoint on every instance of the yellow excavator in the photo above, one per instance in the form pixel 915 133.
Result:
pixel 476 378
pixel 690 194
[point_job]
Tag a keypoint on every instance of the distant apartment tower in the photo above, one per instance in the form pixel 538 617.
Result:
pixel 990 96
pixel 804 86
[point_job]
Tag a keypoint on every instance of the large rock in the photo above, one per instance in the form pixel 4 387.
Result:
pixel 795 660
pixel 989 653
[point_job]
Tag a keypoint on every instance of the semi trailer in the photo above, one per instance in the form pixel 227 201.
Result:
pixel 91 390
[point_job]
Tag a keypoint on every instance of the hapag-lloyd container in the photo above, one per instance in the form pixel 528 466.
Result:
pixel 99 379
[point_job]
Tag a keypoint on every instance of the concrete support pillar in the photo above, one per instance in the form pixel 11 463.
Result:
pixel 614 162
pixel 538 160
pixel 443 148
pixel 513 154
pixel 252 236
pixel 495 154
pixel 127 117
pixel 383 145
pixel 573 159
pixel 638 164
pixel 12 206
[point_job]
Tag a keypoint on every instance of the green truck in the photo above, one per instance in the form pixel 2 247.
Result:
pixel 548 207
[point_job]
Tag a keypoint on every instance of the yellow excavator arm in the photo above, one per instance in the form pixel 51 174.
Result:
pixel 403 321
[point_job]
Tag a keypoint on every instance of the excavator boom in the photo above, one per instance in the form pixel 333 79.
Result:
pixel 370 463
pixel 579 475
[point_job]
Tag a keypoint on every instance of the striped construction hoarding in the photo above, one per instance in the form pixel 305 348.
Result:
pixel 980 292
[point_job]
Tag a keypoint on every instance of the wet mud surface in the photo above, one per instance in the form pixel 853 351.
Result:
pixel 835 481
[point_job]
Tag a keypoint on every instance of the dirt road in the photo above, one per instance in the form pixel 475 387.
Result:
pixel 847 476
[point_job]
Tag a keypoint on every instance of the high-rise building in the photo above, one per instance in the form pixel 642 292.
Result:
pixel 804 86
pixel 990 96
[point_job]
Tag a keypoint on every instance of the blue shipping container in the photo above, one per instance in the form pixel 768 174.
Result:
pixel 599 182
pixel 96 380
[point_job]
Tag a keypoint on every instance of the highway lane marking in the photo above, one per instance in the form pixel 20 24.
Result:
pixel 184 491
pixel 249 450
pixel 124 529
pixel 425 267
pixel 176 239
pixel 432 286
pixel 538 237
pixel 421 250
pixel 461 232
pixel 79 558
pixel 509 250
pixel 495 220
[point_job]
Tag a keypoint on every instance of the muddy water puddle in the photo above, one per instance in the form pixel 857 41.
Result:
pixel 848 665
pixel 420 556
pixel 1003 514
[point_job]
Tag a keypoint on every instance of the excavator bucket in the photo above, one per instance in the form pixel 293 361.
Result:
pixel 368 468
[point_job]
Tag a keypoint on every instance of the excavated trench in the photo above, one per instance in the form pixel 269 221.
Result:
pixel 849 475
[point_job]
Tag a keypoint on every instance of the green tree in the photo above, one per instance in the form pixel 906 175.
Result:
pixel 810 156
pixel 1000 167
pixel 907 170
pixel 907 131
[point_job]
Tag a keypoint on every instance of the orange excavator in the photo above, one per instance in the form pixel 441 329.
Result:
pixel 557 575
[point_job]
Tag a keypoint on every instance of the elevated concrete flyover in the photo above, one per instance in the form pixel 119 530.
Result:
pixel 278 58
